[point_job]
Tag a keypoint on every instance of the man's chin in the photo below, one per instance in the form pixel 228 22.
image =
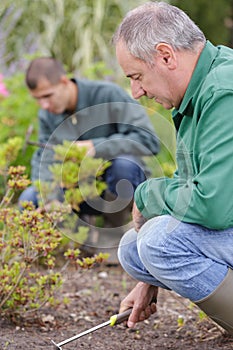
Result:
pixel 164 104
pixel 56 111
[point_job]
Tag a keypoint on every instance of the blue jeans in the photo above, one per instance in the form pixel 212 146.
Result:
pixel 188 259
pixel 122 178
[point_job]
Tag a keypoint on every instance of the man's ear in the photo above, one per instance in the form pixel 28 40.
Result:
pixel 167 55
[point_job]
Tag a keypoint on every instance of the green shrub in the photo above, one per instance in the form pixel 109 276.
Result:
pixel 29 242
pixel 79 174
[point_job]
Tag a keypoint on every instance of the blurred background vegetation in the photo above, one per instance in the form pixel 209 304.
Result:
pixel 79 34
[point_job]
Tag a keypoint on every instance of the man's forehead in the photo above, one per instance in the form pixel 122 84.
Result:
pixel 44 83
pixel 44 88
pixel 121 48
pixel 130 64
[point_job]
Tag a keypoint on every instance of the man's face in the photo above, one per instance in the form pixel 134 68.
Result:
pixel 151 81
pixel 52 98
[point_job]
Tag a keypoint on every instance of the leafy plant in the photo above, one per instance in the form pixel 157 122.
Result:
pixel 79 174
pixel 28 244
pixel 8 153
pixel 27 238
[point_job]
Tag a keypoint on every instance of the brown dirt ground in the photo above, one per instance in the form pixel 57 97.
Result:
pixel 94 296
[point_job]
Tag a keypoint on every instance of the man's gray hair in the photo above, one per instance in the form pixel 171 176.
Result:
pixel 157 22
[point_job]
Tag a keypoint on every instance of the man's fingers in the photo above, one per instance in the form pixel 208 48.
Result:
pixel 142 316
pixel 137 316
pixel 134 317
pixel 148 312
pixel 153 307
pixel 142 299
pixel 130 324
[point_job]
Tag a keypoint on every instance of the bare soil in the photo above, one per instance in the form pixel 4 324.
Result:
pixel 94 296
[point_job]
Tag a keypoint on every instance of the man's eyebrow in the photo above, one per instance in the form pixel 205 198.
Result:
pixel 45 95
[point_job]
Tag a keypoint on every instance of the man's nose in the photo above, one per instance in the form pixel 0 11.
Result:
pixel 44 103
pixel 137 90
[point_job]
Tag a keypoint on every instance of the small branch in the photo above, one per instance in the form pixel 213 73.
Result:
pixel 7 199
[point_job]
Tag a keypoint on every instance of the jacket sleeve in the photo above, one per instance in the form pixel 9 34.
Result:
pixel 133 132
pixel 204 195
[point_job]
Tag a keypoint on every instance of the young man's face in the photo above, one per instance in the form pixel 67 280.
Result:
pixel 53 98
pixel 151 81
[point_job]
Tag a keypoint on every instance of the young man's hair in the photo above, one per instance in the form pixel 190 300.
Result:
pixel 44 67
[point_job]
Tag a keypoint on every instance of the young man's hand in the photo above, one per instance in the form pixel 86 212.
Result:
pixel 89 146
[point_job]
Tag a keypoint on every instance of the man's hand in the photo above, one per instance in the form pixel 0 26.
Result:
pixel 143 300
pixel 138 218
pixel 89 146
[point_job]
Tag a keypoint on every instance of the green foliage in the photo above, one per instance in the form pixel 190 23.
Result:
pixel 17 112
pixel 26 238
pixel 87 263
pixel 202 315
pixel 211 16
pixel 76 32
pixel 16 181
pixel 8 154
pixel 79 32
pixel 98 70
pixel 79 174
pixel 29 238
pixel 163 164
pixel 69 151
pixel 180 321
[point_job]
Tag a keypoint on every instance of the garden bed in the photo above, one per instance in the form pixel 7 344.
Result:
pixel 94 296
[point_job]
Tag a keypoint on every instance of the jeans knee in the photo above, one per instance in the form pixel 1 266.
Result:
pixel 28 195
pixel 157 245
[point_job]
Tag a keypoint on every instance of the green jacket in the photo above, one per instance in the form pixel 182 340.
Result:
pixel 202 187
pixel 107 115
